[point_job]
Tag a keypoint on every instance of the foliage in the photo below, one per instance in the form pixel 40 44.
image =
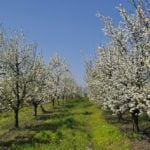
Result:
pixel 118 78
pixel 25 79
pixel 17 65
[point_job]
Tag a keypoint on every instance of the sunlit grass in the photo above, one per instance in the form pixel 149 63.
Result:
pixel 106 136
pixel 76 126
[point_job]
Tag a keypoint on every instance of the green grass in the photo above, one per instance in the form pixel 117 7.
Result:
pixel 126 127
pixel 76 126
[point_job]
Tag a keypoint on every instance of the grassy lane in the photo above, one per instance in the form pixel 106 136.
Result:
pixel 78 126
pixel 101 135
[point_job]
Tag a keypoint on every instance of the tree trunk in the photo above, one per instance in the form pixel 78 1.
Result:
pixel 16 113
pixel 63 100
pixel 53 103
pixel 35 110
pixel 43 110
pixel 135 119
pixel 66 100
pixel 119 114
pixel 58 102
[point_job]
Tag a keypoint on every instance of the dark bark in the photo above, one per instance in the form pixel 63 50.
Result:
pixel 16 110
pixel 53 103
pixel 63 100
pixel 16 113
pixel 119 114
pixel 66 100
pixel 43 110
pixel 35 109
pixel 135 119
pixel 58 102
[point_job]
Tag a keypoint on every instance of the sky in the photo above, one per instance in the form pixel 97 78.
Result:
pixel 67 27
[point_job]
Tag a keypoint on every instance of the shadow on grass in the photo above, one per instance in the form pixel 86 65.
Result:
pixel 18 140
pixel 43 117
pixel 85 105
pixel 87 113
pixel 55 115
pixel 112 119
pixel 53 125
pixel 146 132
pixel 61 113
pixel 70 105
pixel 59 119
pixel 126 127
pixel 29 133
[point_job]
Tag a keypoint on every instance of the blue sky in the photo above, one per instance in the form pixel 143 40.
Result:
pixel 68 27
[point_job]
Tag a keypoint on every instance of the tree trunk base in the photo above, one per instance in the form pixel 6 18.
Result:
pixel 16 113
pixel 135 119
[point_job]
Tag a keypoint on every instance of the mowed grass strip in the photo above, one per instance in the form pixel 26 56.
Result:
pixel 102 135
pixel 76 126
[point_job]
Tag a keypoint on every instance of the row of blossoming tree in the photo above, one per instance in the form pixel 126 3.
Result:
pixel 26 79
pixel 118 79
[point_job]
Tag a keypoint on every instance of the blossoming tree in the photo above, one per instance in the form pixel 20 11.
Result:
pixel 119 79
pixel 16 60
